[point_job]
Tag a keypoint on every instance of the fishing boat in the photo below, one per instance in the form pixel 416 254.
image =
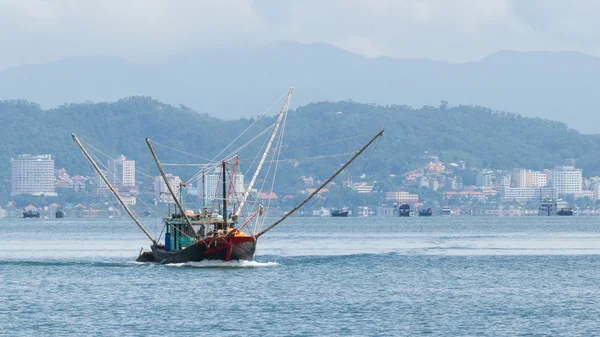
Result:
pixel 342 213
pixel 426 212
pixel 549 207
pixel 31 214
pixel 403 210
pixel 220 233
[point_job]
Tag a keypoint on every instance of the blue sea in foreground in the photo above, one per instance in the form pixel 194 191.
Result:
pixel 458 276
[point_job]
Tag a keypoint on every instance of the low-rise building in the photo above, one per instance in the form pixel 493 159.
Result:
pixel 402 197
pixel 529 193
pixel 364 211
pixel 362 187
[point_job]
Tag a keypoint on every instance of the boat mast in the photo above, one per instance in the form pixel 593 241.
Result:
pixel 112 189
pixel 223 167
pixel 264 156
pixel 203 189
pixel 379 134
pixel 162 172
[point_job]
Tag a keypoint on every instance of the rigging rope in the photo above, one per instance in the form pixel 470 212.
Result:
pixel 363 168
pixel 251 125
pixel 308 158
pixel 111 158
pixel 183 152
pixel 232 154
pixel 116 179
pixel 327 143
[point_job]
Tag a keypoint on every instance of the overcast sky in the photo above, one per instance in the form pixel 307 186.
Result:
pixel 38 31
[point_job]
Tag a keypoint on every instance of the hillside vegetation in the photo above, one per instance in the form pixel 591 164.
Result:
pixel 481 137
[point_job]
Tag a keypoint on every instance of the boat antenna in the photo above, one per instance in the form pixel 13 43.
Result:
pixel 379 134
pixel 264 156
pixel 164 176
pixel 112 189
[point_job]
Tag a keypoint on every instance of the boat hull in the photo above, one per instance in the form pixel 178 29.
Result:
pixel 223 249
pixel 340 214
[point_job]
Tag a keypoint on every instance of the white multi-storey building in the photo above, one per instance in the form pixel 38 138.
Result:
pixel 161 191
pixel 538 179
pixel 505 181
pixel 529 193
pixel 402 197
pixel 520 178
pixel 484 179
pixel 567 180
pixel 527 178
pixel 212 188
pixel 32 175
pixel 122 171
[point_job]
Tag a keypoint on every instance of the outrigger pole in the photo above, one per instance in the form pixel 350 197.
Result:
pixel 379 134
pixel 112 189
pixel 162 172
pixel 264 156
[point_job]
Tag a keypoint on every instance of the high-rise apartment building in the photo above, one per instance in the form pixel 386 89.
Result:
pixel 161 192
pixel 122 172
pixel 32 175
pixel 484 179
pixel 537 179
pixel 213 189
pixel 522 178
pixel 567 180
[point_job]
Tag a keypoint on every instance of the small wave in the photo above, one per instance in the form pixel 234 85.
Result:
pixel 223 264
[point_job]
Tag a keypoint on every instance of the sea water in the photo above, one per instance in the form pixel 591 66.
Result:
pixel 440 276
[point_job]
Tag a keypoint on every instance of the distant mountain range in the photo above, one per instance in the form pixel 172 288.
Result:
pixel 233 83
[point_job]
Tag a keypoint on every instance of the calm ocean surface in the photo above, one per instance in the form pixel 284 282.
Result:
pixel 499 276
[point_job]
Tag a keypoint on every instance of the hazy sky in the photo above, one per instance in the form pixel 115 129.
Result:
pixel 38 31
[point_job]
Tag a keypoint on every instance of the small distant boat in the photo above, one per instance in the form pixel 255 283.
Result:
pixel 31 214
pixel 425 212
pixel 403 210
pixel 446 210
pixel 59 214
pixel 565 211
pixel 342 213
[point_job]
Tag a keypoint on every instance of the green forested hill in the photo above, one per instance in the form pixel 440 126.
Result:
pixel 479 136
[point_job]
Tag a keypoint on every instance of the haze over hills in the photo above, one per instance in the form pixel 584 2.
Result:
pixel 233 83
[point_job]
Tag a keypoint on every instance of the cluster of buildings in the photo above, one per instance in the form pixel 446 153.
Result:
pixel 36 175
pixel 519 184
pixel 208 187
pixel 522 184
